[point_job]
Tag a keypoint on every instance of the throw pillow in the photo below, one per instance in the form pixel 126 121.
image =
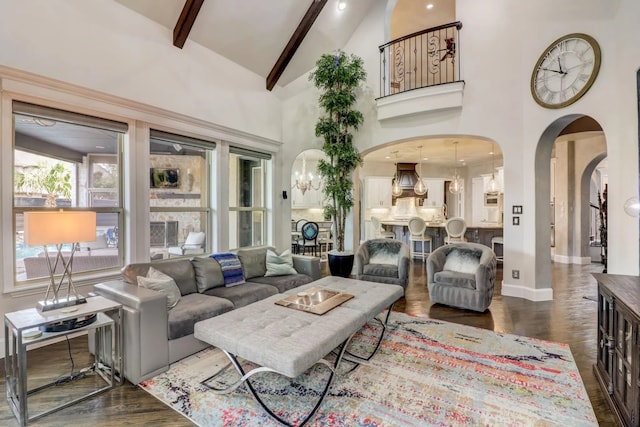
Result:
pixel 462 261
pixel 158 281
pixel 231 269
pixel 208 273
pixel 253 261
pixel 383 251
pixel 384 258
pixel 280 265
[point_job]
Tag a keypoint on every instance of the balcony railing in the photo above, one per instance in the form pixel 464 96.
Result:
pixel 426 58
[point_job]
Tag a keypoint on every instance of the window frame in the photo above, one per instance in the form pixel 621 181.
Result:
pixel 120 129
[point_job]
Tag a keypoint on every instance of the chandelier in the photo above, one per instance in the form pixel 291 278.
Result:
pixel 396 190
pixel 304 181
pixel 420 188
pixel 492 185
pixel 456 185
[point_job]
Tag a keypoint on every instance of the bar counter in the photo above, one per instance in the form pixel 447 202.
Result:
pixel 475 233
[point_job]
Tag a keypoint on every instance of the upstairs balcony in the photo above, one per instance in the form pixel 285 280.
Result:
pixel 420 72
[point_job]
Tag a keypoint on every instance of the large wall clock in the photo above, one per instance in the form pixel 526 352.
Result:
pixel 565 71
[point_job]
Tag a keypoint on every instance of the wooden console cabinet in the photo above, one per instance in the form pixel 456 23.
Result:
pixel 618 365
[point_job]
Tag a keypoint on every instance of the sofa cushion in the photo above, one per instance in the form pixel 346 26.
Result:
pixel 193 308
pixel 279 265
pixel 208 273
pixel 382 270
pixel 181 270
pixel 244 294
pixel 283 283
pixel 158 281
pixel 456 279
pixel 254 261
pixel 462 261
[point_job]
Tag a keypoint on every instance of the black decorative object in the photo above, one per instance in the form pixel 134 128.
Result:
pixel 341 264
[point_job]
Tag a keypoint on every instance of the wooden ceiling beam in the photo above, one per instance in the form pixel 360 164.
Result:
pixel 294 42
pixel 185 22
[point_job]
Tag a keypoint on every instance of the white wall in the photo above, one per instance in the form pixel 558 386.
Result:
pixel 501 41
pixel 102 45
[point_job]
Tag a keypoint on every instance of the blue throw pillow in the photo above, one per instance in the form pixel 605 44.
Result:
pixel 231 268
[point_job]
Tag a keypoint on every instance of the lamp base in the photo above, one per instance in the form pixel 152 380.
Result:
pixel 49 305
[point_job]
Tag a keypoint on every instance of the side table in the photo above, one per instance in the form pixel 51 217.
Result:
pixel 107 358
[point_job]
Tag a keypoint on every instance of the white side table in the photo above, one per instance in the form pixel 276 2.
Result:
pixel 108 349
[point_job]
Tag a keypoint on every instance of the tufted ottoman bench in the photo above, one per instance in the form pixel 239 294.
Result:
pixel 289 341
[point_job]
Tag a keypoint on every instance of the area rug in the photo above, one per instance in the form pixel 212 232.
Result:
pixel 426 373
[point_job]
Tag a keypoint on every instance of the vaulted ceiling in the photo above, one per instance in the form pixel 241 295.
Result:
pixel 259 35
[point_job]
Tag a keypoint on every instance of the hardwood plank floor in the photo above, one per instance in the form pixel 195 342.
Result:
pixel 570 318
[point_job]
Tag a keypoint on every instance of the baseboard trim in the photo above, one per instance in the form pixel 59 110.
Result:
pixel 525 292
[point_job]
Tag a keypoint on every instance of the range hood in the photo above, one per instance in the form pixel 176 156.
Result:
pixel 407 177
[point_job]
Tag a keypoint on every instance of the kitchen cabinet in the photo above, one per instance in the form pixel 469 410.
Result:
pixel 311 199
pixel 435 192
pixel 618 356
pixel 378 192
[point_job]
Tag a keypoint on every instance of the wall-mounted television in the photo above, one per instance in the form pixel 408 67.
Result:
pixel 165 177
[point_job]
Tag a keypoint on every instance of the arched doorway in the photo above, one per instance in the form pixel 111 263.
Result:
pixel 433 158
pixel 577 145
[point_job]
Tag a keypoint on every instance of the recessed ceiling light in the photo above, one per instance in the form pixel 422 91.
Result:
pixel 430 6
pixel 342 4
pixel 100 147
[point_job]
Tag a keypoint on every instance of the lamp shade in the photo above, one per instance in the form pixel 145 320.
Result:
pixel 55 227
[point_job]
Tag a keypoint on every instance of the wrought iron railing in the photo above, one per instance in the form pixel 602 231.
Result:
pixel 425 58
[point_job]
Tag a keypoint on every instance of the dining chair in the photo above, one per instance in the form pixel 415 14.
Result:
pixel 309 238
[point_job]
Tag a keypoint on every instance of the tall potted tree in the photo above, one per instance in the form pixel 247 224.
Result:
pixel 337 76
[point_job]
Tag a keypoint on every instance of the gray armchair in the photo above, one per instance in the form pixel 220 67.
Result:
pixel 383 261
pixel 462 275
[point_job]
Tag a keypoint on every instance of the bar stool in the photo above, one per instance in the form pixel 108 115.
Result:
pixel 417 227
pixel 498 240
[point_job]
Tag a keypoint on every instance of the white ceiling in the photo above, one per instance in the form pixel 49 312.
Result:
pixel 253 33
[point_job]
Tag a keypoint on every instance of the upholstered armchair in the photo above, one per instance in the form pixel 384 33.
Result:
pixel 383 260
pixel 462 275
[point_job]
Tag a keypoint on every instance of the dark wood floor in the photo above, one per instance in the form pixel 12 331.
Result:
pixel 569 318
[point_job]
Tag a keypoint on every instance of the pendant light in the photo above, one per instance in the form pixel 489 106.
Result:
pixel 456 185
pixel 492 185
pixel 396 190
pixel 420 188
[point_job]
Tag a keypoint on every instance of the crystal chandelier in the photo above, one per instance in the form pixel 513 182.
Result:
pixel 304 181
pixel 456 185
pixel 420 188
pixel 396 190
pixel 492 185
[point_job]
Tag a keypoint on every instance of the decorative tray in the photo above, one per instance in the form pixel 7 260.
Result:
pixel 314 300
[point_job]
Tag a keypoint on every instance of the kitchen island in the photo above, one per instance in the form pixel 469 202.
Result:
pixel 482 233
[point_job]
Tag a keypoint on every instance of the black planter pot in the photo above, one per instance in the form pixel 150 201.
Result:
pixel 341 264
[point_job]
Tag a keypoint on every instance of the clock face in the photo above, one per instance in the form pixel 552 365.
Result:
pixel 565 71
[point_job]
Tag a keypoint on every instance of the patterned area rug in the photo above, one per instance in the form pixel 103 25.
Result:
pixel 426 373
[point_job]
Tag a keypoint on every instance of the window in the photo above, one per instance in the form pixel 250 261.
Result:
pixel 247 208
pixel 180 211
pixel 67 160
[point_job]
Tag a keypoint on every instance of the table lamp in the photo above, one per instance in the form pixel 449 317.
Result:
pixel 57 228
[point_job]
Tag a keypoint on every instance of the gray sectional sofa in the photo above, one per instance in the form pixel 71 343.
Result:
pixel 155 336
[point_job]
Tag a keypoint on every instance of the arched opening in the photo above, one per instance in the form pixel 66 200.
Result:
pixel 566 156
pixel 436 160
